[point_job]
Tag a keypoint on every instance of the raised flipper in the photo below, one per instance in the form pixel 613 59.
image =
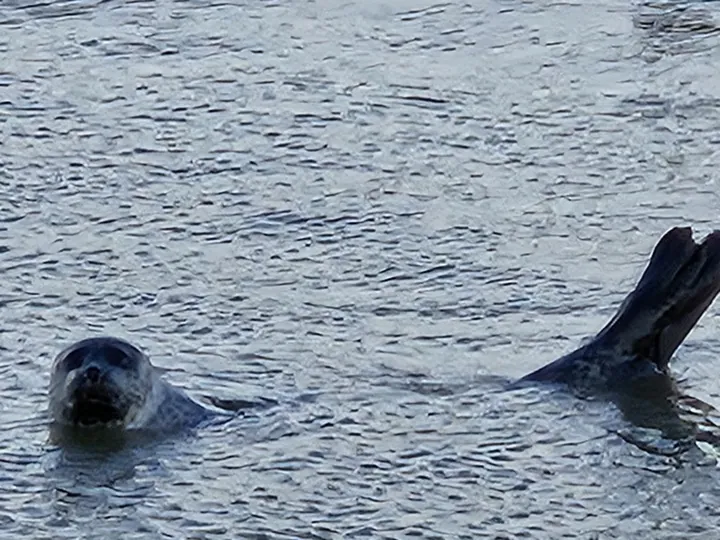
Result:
pixel 680 282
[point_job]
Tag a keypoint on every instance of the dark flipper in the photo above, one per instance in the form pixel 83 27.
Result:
pixel 680 282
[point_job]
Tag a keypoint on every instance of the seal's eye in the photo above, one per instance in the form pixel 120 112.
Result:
pixel 116 357
pixel 74 359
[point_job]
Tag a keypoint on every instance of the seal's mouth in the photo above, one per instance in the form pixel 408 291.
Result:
pixel 92 407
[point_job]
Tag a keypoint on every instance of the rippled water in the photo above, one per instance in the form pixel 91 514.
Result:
pixel 375 213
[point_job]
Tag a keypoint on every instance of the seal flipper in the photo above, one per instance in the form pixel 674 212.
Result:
pixel 680 282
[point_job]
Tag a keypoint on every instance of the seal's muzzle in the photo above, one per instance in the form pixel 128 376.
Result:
pixel 91 399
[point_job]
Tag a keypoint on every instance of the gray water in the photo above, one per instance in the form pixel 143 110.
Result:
pixel 375 213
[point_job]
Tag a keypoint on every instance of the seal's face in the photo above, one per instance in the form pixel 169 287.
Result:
pixel 99 382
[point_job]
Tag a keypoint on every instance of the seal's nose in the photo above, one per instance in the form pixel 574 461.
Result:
pixel 92 374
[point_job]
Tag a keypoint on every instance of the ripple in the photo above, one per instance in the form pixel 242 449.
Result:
pixel 371 215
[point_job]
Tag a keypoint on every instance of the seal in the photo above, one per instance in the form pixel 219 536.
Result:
pixel 632 352
pixel 628 360
pixel 109 383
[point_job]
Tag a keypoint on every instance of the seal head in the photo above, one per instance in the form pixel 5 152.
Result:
pixel 100 382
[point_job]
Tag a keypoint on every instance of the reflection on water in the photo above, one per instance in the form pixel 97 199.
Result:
pixel 374 214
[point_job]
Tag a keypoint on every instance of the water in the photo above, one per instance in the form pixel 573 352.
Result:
pixel 375 214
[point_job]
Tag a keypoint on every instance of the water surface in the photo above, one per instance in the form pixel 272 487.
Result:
pixel 375 213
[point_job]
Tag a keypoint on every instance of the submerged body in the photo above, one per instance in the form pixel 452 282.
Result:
pixel 108 382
